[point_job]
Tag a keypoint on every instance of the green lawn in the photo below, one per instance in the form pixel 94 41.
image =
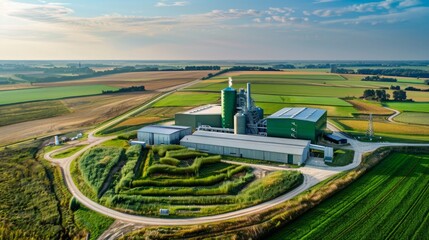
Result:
pixel 68 152
pixel 413 118
pixel 37 94
pixel 184 99
pixel 410 106
pixel 389 202
pixel 93 222
pixel 342 157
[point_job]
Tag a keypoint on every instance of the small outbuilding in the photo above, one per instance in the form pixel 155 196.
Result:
pixel 159 134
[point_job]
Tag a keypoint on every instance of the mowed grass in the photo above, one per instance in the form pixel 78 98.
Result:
pixel 413 118
pixel 184 99
pixel 384 127
pixel 69 151
pixel 332 101
pixel 37 94
pixel 16 113
pixel 410 106
pixel 389 202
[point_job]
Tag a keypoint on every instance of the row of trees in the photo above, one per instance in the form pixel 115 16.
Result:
pixel 379 79
pixel 402 72
pixel 127 89
pixel 239 68
pixel 382 95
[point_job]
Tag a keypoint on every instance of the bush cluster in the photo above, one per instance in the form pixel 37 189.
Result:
pixel 127 172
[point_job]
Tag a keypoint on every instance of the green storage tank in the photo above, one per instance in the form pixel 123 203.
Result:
pixel 229 97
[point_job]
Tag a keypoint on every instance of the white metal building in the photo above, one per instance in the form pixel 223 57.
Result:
pixel 282 150
pixel 158 134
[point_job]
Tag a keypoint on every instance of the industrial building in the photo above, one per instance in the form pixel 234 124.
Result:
pixel 158 134
pixel 291 151
pixel 209 115
pixel 238 114
pixel 301 123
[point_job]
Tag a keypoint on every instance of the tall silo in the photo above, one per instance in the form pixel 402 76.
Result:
pixel 229 96
pixel 239 123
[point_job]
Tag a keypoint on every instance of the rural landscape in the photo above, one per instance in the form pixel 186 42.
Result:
pixel 214 120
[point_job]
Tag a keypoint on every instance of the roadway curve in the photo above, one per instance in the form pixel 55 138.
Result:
pixel 312 176
pixel 395 114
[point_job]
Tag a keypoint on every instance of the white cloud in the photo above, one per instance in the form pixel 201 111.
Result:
pixel 324 1
pixel 409 3
pixel 171 4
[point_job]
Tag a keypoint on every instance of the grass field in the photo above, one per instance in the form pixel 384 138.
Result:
pixel 413 118
pixel 299 99
pixel 16 113
pixel 68 152
pixel 185 99
pixel 342 157
pixel 389 202
pixel 409 106
pixel 37 94
pixel 93 222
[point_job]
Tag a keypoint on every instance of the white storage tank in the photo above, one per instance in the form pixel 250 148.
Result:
pixel 239 123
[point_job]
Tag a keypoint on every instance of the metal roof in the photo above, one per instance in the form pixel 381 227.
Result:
pixel 267 144
pixel 206 109
pixel 307 114
pixel 242 144
pixel 160 129
pixel 254 138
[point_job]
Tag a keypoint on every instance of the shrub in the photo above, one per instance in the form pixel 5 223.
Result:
pixel 74 204
pixel 169 161
pixel 161 150
pixel 185 154
pixel 207 181
pixel 193 169
pixel 149 160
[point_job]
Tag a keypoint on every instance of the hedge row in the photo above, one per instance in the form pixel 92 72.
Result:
pixel 185 154
pixel 150 158
pixel 161 150
pixel 127 172
pixel 207 181
pixel 169 161
pixel 193 169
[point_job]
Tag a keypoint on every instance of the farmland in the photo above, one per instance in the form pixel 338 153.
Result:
pixel 413 118
pixel 187 182
pixel 389 201
pixel 384 127
pixel 12 114
pixel 184 99
pixel 38 94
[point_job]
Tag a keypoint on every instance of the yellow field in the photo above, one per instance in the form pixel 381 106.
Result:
pixel 367 107
pixel 382 127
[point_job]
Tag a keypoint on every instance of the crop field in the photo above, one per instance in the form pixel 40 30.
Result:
pixel 151 80
pixel 410 106
pixel 299 99
pixel 85 112
pixel 389 202
pixel 413 118
pixel 16 113
pixel 37 94
pixel 384 127
pixel 367 107
pixel 185 99
pixel 187 182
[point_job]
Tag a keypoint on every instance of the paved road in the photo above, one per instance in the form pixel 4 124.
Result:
pixel 312 176
pixel 395 114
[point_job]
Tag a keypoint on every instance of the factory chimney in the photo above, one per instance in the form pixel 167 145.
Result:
pixel 249 99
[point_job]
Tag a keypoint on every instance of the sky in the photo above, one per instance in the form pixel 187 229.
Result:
pixel 214 30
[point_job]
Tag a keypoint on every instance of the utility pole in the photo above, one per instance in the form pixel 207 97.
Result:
pixel 370 130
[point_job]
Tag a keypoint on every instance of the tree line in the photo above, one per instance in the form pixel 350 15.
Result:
pixel 239 68
pixel 127 89
pixel 381 95
pixel 401 72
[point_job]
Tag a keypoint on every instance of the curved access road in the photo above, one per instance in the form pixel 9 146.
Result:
pixel 395 114
pixel 312 176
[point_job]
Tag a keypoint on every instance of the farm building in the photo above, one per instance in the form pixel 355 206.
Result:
pixel 206 115
pixel 158 134
pixel 300 123
pixel 282 150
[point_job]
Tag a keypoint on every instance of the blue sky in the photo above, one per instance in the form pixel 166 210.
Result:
pixel 220 30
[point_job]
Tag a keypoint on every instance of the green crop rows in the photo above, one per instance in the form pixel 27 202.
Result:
pixel 390 201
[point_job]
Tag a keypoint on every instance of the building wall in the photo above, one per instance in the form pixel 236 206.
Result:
pixel 158 138
pixel 145 137
pixel 281 127
pixel 247 153
pixel 192 120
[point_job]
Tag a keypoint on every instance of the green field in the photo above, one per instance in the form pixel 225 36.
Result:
pixel 389 202
pixel 413 118
pixel 16 113
pixel 69 152
pixel 93 222
pixel 184 99
pixel 299 99
pixel 410 106
pixel 38 94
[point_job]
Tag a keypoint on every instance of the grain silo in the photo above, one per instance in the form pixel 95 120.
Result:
pixel 229 96
pixel 239 123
